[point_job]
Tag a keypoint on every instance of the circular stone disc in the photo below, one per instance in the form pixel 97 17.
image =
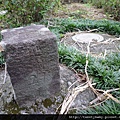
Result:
pixel 87 37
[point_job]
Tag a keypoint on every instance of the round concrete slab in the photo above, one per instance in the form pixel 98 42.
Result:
pixel 87 37
pixel 109 44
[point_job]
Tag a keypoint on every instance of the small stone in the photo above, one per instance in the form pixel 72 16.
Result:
pixel 62 82
pixel 69 83
pixel 59 99
pixel 84 107
pixel 23 112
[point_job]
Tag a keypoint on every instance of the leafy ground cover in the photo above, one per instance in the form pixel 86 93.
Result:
pixel 61 26
pixel 105 72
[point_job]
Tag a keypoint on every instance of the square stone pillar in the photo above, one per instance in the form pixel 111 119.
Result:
pixel 32 62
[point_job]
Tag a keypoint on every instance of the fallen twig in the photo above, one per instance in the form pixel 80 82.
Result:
pixel 93 30
pixel 72 94
pixel 116 47
pixel 114 39
pixel 99 103
pixel 87 77
pixel 105 53
pixel 105 95
pixel 71 97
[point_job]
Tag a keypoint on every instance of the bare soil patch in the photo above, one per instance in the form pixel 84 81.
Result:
pixel 80 10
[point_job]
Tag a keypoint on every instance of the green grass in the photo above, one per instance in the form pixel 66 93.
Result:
pixel 105 73
pixel 109 107
pixel 1 59
pixel 61 26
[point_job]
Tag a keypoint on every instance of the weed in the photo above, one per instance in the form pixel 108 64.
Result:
pixel 104 72
pixel 110 6
pixel 109 107
pixel 61 26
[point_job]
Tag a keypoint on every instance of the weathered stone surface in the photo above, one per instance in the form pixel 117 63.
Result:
pixel 32 62
pixel 83 98
pixel 48 105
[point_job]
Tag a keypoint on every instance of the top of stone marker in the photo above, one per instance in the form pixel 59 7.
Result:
pixel 26 34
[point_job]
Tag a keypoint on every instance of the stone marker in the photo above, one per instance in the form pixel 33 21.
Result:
pixel 32 62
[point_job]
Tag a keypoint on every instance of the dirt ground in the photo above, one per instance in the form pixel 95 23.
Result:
pixel 86 11
pixel 79 10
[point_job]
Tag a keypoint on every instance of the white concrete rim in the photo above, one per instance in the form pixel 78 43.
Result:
pixel 87 37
